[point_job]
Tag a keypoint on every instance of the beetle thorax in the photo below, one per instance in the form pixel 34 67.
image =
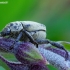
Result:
pixel 15 27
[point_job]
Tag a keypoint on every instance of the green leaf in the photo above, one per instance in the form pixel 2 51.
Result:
pixel 50 67
pixel 9 57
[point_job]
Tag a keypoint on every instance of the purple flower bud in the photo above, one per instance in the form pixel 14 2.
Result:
pixel 27 53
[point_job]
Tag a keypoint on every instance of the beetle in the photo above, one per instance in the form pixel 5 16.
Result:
pixel 29 31
pixel 25 31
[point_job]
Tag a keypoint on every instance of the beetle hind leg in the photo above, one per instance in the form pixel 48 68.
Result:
pixel 45 41
pixel 60 47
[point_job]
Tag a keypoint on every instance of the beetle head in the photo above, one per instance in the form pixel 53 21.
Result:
pixel 5 32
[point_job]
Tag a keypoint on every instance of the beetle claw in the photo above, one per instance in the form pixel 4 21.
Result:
pixel 35 43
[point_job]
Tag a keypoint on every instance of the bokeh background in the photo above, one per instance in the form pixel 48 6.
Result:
pixel 55 14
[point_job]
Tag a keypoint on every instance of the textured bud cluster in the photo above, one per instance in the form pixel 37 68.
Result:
pixel 31 58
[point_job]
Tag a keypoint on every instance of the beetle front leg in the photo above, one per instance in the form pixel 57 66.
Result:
pixel 19 36
pixel 30 38
pixel 17 39
pixel 45 41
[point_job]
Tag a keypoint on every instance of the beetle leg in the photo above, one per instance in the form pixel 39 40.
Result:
pixel 53 44
pixel 60 47
pixel 30 38
pixel 42 41
pixel 17 39
pixel 19 36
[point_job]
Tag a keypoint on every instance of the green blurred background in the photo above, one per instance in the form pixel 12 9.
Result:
pixel 55 14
